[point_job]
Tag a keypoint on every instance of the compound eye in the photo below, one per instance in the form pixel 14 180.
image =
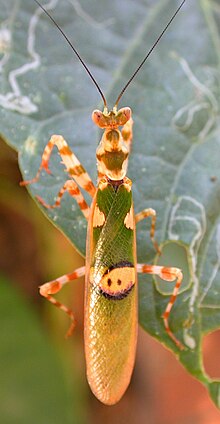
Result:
pixel 123 115
pixel 100 119
pixel 127 112
pixel 97 116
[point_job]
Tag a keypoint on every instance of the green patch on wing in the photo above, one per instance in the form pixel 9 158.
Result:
pixel 113 241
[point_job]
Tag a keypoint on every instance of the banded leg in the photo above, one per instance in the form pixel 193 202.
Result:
pixel 53 287
pixel 72 164
pixel 127 133
pixel 152 214
pixel 168 274
pixel 71 187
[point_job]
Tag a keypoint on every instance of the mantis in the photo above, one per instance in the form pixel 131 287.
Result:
pixel 111 309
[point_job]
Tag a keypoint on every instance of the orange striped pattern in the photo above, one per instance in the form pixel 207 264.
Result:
pixel 71 187
pixel 152 214
pixel 169 274
pixel 43 165
pixel 72 164
pixel 53 287
pixel 67 311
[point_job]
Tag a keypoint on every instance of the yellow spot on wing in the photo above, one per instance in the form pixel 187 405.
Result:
pixel 129 219
pixel 118 280
pixel 98 217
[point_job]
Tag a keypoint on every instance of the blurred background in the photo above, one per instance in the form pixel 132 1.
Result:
pixel 42 374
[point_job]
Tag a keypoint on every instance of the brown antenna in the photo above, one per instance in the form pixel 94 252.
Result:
pixel 147 55
pixel 75 51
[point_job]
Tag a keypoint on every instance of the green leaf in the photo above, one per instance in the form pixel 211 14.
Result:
pixel 34 387
pixel 175 161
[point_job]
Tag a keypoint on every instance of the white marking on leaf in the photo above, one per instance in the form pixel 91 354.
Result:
pixel 188 339
pixel 199 223
pixel 204 100
pixel 89 19
pixel 5 44
pixel 215 270
pixel 30 145
pixel 15 100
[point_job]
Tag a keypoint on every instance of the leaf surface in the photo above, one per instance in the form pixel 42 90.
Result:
pixel 175 161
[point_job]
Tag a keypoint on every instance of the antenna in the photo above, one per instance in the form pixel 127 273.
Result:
pixel 147 55
pixel 75 51
pixel 86 67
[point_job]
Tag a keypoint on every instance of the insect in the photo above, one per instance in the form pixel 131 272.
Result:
pixel 111 268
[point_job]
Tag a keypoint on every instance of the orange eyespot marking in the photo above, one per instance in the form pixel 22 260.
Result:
pixel 117 282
